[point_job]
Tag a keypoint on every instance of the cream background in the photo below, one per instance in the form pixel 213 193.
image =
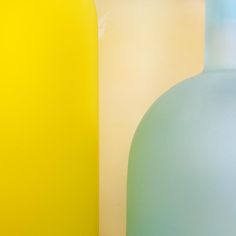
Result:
pixel 146 47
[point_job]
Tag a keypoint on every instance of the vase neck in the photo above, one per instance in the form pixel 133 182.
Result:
pixel 220 34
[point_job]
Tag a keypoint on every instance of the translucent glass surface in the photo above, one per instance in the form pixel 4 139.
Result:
pixel 48 118
pixel 220 34
pixel 182 169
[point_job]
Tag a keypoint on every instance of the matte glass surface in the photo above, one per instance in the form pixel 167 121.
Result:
pixel 220 34
pixel 48 118
pixel 136 51
pixel 183 160
pixel 182 165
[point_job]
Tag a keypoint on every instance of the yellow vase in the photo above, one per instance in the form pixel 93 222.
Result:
pixel 48 118
pixel 139 42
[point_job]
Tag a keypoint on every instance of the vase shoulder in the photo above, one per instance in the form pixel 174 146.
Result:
pixel 182 161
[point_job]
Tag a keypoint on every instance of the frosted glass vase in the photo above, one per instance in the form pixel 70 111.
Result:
pixel 49 118
pixel 182 168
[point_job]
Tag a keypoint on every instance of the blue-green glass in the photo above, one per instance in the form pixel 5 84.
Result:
pixel 182 168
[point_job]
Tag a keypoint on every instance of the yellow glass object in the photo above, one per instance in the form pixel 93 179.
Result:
pixel 48 118
pixel 139 42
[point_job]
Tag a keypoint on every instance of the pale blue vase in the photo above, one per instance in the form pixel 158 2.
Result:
pixel 182 168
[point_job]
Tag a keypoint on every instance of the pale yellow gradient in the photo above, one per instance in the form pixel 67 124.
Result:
pixel 146 47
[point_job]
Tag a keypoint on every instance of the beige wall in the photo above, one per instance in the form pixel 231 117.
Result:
pixel 146 46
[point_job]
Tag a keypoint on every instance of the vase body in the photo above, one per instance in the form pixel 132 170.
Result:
pixel 48 123
pixel 182 163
